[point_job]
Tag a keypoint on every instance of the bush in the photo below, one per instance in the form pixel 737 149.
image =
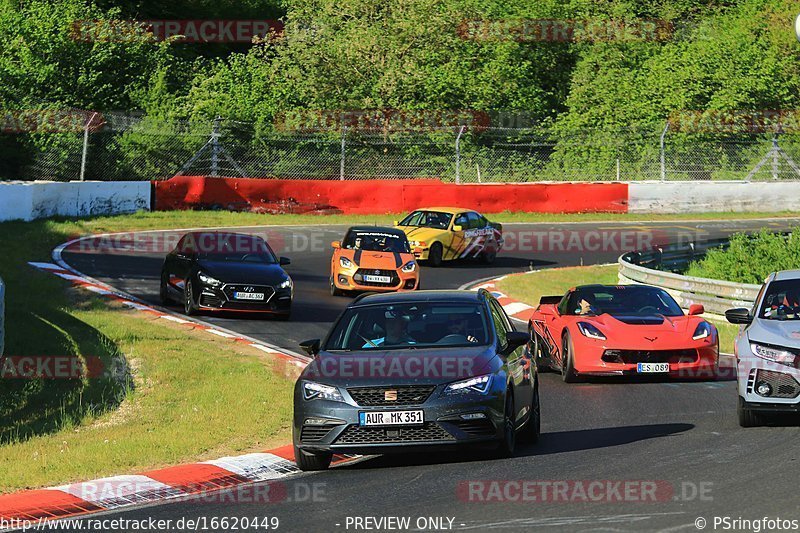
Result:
pixel 750 258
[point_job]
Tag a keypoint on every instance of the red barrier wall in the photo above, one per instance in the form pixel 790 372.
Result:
pixel 384 196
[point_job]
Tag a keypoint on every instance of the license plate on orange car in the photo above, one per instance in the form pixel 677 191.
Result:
pixel 377 279
pixel 652 368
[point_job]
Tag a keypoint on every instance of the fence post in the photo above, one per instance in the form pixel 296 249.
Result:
pixel 85 146
pixel 458 153
pixel 344 144
pixel 663 157
pixel 215 147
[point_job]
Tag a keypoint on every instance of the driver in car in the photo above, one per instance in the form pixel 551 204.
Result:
pixel 457 325
pixel 396 329
pixel 586 306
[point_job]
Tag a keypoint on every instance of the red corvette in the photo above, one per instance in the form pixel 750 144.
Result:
pixel 607 330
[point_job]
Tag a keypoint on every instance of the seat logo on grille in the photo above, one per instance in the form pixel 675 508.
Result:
pixel 377 272
pixel 390 395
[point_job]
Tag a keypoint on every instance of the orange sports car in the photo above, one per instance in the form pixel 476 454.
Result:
pixel 372 258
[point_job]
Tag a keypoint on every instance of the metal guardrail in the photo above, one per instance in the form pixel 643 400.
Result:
pixel 716 296
pixel 2 315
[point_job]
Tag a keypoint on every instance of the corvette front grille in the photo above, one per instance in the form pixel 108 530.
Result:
pixel 650 356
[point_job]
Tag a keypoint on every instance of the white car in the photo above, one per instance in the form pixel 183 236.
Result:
pixel 768 350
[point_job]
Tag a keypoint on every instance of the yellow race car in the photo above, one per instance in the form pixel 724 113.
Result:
pixel 439 234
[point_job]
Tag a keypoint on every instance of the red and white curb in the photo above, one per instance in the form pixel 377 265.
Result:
pixel 98 287
pixel 171 483
pixel 184 482
pixel 513 308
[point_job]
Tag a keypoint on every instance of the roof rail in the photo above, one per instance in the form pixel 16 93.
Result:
pixel 362 296
pixel 483 293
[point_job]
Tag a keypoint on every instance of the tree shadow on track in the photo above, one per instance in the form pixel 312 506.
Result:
pixel 549 443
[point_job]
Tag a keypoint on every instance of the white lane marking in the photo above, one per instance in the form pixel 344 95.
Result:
pixel 256 466
pixel 176 319
pixel 221 333
pixel 560 521
pixel 516 307
pixel 120 491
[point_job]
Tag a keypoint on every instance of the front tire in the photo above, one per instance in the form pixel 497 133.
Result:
pixel 308 462
pixel 189 307
pixel 163 291
pixel 507 445
pixel 335 291
pixel 568 373
pixel 533 427
pixel 436 254
pixel 747 417
pixel 487 258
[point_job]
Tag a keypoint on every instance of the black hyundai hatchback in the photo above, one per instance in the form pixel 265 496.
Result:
pixel 416 371
pixel 219 271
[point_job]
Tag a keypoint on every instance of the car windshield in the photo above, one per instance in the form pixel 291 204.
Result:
pixel 411 325
pixel 427 219
pixel 376 241
pixel 781 301
pixel 623 300
pixel 229 248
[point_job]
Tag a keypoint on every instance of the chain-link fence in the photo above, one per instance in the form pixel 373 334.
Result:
pixel 128 147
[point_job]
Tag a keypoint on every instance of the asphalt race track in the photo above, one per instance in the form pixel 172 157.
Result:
pixel 681 435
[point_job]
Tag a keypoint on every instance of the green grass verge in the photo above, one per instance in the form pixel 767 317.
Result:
pixel 188 396
pixel 185 219
pixel 529 287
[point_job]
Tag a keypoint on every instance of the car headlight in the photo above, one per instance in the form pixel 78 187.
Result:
pixel 702 331
pixel 285 284
pixel 417 244
pixel 477 384
pixel 591 331
pixel 313 391
pixel 345 262
pixel 411 266
pixel 208 280
pixel 776 355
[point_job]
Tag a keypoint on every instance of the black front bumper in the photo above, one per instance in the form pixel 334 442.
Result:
pixel 443 429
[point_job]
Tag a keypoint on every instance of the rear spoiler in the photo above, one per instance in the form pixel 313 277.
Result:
pixel 549 300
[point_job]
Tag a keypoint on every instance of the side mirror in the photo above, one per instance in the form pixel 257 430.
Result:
pixel 395 223
pixel 284 261
pixel 336 245
pixel 740 315
pixel 515 339
pixel 311 347
pixel 696 309
pixel 457 228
